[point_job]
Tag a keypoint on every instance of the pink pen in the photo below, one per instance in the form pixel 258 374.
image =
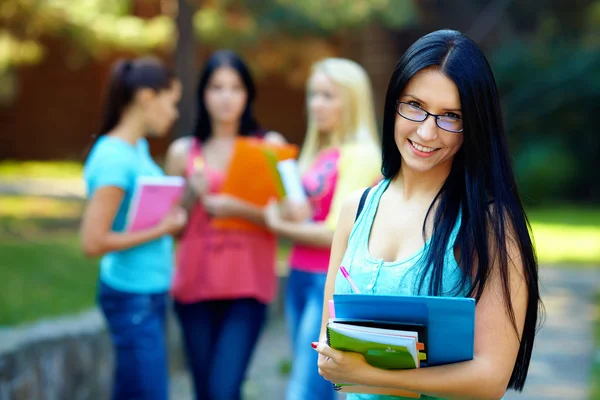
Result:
pixel 350 281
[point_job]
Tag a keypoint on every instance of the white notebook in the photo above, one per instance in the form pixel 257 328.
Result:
pixel 291 180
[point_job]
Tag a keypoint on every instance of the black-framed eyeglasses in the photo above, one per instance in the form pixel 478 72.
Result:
pixel 417 114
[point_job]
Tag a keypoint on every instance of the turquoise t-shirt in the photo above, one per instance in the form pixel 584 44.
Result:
pixel 146 268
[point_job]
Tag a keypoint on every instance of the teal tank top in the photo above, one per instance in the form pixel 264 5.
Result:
pixel 375 276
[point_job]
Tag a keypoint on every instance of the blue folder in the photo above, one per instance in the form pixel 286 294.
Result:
pixel 450 321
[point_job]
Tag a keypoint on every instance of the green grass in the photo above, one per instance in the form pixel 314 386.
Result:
pixel 29 217
pixel 10 170
pixel 566 235
pixel 43 272
pixel 44 277
pixel 22 207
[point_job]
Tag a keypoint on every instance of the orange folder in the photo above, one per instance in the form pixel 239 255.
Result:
pixel 252 177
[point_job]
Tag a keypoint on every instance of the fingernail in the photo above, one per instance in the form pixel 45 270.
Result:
pixel 314 344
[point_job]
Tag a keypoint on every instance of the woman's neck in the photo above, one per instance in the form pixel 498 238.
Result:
pixel 225 130
pixel 325 140
pixel 416 184
pixel 130 128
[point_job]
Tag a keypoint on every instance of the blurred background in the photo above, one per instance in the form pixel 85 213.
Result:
pixel 55 57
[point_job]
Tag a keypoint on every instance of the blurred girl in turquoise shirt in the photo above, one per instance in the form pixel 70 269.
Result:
pixel 135 269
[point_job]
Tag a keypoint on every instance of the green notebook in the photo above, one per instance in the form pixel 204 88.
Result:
pixel 382 348
pixel 272 161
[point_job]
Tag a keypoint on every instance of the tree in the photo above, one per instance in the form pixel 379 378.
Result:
pixel 185 64
pixel 89 29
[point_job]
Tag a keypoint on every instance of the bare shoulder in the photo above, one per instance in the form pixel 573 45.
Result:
pixel 180 147
pixel 275 138
pixel 350 206
pixel 177 155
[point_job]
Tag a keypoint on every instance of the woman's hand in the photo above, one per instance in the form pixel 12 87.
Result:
pixel 295 211
pixel 221 205
pixel 174 221
pixel 340 366
pixel 272 215
pixel 198 183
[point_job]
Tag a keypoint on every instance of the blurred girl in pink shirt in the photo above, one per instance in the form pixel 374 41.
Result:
pixel 224 278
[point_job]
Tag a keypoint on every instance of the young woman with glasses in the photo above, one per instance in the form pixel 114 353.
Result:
pixel 446 220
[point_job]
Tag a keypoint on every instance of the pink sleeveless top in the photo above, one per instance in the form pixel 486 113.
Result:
pixel 217 264
pixel 335 173
pixel 319 183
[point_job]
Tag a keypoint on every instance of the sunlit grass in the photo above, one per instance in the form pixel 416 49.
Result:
pixel 563 244
pixel 40 169
pixel 31 217
pixel 567 235
pixel 22 207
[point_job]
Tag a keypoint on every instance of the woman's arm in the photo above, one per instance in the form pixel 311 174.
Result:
pixel 226 206
pixel 310 233
pixel 175 165
pixel 484 377
pixel 315 234
pixel 96 229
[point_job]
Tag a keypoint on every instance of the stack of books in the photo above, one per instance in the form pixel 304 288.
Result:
pixel 401 332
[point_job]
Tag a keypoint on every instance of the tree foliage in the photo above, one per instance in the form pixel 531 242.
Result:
pixel 92 27
pixel 88 28
pixel 550 84
pixel 235 22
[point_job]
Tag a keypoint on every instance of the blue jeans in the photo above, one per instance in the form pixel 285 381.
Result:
pixel 137 328
pixel 304 310
pixel 219 338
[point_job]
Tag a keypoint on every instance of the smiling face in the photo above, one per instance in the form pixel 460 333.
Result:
pixel 423 145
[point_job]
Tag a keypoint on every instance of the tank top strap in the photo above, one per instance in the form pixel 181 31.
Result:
pixel 194 156
pixel 361 230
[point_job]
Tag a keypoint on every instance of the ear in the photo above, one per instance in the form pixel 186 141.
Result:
pixel 144 96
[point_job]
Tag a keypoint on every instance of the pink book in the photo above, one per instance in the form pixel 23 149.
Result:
pixel 154 196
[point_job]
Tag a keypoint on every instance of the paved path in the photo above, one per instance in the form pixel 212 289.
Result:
pixel 562 357
pixel 564 350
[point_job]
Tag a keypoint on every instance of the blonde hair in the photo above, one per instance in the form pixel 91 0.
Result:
pixel 358 115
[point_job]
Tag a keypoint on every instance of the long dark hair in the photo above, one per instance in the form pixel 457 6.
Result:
pixel 225 58
pixel 481 183
pixel 126 78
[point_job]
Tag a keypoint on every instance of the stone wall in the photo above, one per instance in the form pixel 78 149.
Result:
pixel 64 358
pixel 70 358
